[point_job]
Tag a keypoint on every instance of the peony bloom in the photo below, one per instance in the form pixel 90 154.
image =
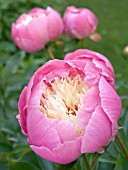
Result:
pixel 70 107
pixel 79 22
pixel 32 31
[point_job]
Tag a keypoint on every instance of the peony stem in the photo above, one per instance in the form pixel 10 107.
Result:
pixel 87 162
pixel 50 53
pixel 94 160
pixel 83 45
pixel 122 146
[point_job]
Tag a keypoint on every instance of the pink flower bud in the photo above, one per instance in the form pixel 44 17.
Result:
pixel 32 31
pixel 70 107
pixel 79 22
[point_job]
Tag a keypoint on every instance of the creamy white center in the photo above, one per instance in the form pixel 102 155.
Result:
pixel 62 98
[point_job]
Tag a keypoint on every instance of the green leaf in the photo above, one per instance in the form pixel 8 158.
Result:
pixel 21 166
pixel 3 165
pixel 121 164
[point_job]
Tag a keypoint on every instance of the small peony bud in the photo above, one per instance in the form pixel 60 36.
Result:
pixel 79 22
pixel 32 31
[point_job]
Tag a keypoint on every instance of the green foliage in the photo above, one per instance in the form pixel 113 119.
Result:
pixel 16 68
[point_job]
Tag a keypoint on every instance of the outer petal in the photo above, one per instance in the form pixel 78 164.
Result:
pixel 82 29
pixel 110 103
pixel 29 45
pixel 54 24
pixel 97 133
pixel 22 109
pixel 40 131
pixel 63 154
pixel 37 29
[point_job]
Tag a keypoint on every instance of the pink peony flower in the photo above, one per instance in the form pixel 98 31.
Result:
pixel 79 22
pixel 70 107
pixel 34 30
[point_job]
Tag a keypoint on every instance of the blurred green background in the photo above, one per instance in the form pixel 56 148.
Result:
pixel 16 68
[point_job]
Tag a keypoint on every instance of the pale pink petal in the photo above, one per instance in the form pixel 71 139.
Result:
pixel 83 117
pixel 97 133
pixel 87 55
pixel 91 99
pixel 54 24
pixel 37 30
pixel 36 10
pixel 63 154
pixel 92 74
pixel 36 93
pixel 79 64
pixel 40 131
pixel 28 44
pixel 110 102
pixel 23 113
pixel 14 31
pixel 66 130
pixel 102 65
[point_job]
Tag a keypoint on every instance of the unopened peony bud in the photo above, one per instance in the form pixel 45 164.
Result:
pixel 125 51
pixel 95 37
pixel 32 31
pixel 79 22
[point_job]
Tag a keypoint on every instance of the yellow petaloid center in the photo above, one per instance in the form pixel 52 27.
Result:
pixel 62 99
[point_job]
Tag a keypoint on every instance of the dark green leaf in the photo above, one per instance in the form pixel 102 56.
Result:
pixel 21 165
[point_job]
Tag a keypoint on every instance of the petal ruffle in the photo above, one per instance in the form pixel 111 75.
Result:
pixel 40 131
pixel 110 102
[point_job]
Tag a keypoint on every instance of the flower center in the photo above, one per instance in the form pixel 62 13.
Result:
pixel 62 98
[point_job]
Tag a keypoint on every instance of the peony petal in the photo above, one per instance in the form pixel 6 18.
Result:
pixel 40 131
pixel 28 44
pixel 91 99
pixel 97 133
pixel 102 65
pixel 63 154
pixel 23 114
pixel 36 93
pixel 110 102
pixel 54 24
pixel 88 55
pixel 83 118
pixel 66 130
pixel 92 74
pixel 79 64
pixel 52 69
pixel 37 30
